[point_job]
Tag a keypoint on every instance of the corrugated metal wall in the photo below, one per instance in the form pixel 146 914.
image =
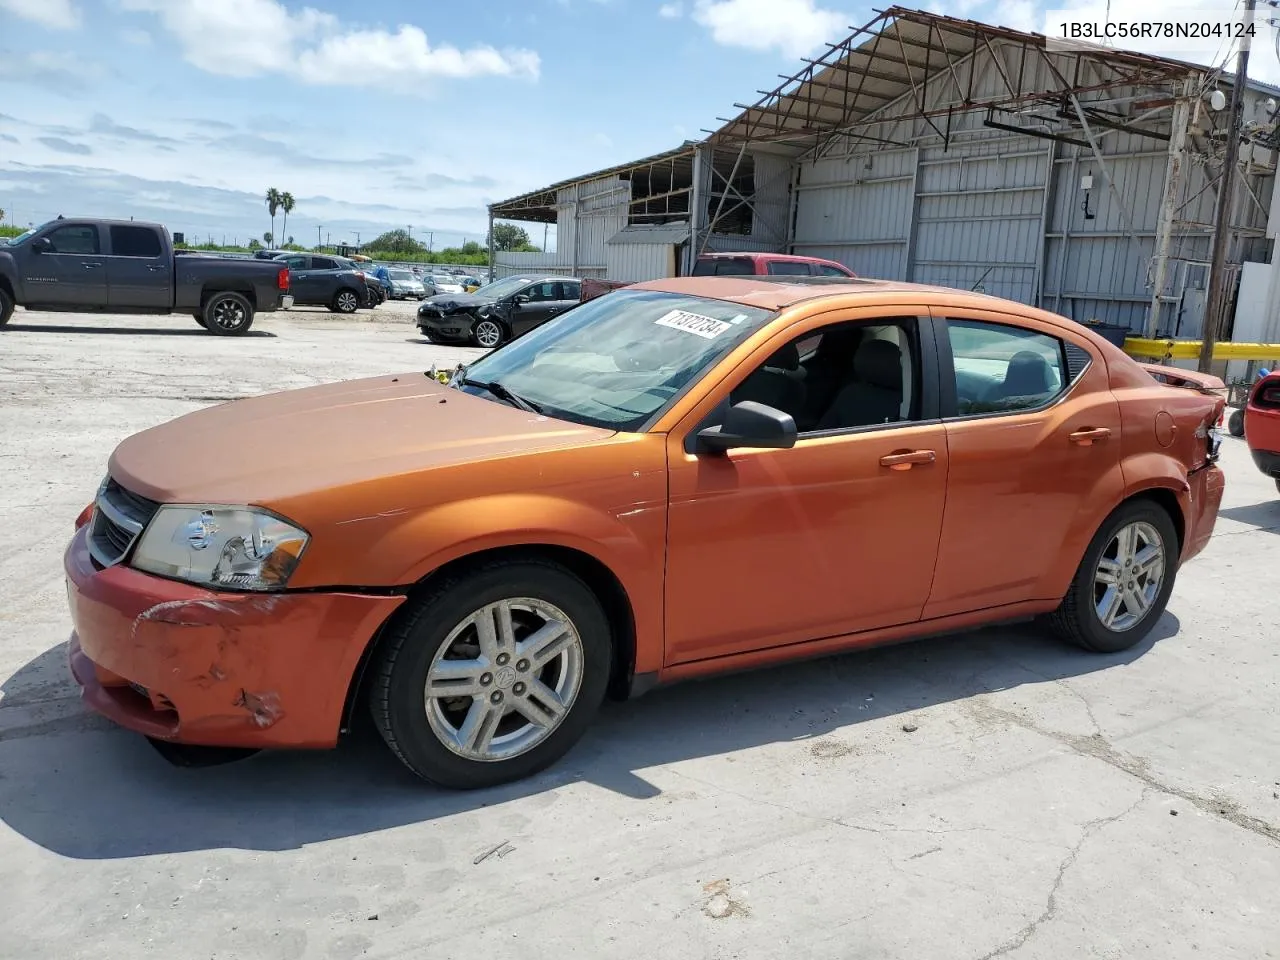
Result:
pixel 634 262
pixel 1007 213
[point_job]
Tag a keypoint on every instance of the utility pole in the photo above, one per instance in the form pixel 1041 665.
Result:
pixel 1215 306
pixel 317 236
pixel 431 239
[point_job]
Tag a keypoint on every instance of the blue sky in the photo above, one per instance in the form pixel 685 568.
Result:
pixel 374 115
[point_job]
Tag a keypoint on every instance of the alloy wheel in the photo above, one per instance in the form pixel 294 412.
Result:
pixel 1129 576
pixel 228 314
pixel 504 679
pixel 488 333
pixel 347 302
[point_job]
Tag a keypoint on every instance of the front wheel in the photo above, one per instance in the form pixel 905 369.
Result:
pixel 346 301
pixel 1124 581
pixel 487 333
pixel 493 675
pixel 227 314
pixel 1235 423
pixel 6 306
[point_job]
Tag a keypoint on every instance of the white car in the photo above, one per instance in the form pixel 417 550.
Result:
pixel 443 283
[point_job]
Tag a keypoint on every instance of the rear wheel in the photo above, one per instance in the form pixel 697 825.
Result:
pixel 1235 423
pixel 6 306
pixel 1123 583
pixel 493 675
pixel 346 301
pixel 227 314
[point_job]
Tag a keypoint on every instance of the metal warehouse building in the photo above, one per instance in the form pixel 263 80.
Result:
pixel 946 151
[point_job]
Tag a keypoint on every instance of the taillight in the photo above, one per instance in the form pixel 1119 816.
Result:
pixel 282 278
pixel 85 516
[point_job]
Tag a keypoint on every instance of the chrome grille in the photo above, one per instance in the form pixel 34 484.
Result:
pixel 119 517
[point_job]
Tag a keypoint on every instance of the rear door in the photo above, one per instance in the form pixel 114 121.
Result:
pixel 139 271
pixel 1033 440
pixel 73 272
pixel 568 294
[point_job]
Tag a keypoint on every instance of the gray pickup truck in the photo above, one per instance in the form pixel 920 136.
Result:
pixel 122 266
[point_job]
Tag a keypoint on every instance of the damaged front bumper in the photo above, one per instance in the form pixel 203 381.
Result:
pixel 180 663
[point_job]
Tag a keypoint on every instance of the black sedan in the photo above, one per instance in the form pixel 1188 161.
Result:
pixel 498 311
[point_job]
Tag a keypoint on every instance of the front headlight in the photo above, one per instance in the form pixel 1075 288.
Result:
pixel 241 548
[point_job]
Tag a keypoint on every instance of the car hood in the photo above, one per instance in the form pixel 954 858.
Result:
pixel 270 449
pixel 456 301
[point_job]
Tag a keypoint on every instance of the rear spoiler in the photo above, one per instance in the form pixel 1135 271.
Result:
pixel 1190 379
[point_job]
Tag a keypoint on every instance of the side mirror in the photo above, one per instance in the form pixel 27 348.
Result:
pixel 520 298
pixel 750 424
pixel 42 245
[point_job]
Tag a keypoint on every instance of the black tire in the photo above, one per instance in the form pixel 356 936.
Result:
pixel 1077 619
pixel 1235 423
pixel 6 306
pixel 345 300
pixel 481 326
pixel 1277 484
pixel 227 314
pixel 397 692
pixel 199 318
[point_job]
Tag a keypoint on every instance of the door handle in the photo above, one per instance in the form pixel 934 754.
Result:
pixel 1085 436
pixel 157 268
pixel 907 458
pixel 90 266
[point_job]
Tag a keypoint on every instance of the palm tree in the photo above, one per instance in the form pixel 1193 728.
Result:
pixel 286 204
pixel 268 238
pixel 273 205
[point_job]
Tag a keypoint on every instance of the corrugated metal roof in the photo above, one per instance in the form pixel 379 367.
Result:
pixel 652 233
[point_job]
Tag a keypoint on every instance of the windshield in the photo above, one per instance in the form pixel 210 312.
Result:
pixel 617 360
pixel 438 279
pixel 401 275
pixel 502 288
pixel 24 236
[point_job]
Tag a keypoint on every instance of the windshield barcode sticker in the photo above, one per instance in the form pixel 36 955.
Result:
pixel 707 327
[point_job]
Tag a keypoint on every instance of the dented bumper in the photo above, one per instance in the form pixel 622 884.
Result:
pixel 196 666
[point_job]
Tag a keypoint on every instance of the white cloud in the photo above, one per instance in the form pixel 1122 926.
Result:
pixel 55 14
pixel 138 38
pixel 793 27
pixel 245 38
pixel 672 11
pixel 406 54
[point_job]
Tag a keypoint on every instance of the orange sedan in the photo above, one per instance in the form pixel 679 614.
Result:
pixel 679 478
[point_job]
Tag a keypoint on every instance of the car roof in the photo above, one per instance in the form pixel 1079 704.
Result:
pixel 777 293
pixel 759 255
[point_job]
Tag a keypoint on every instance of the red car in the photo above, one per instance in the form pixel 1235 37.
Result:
pixel 1262 425
pixel 767 265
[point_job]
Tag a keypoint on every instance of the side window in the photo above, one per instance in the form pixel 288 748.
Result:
pixel 1001 367
pixel 75 239
pixel 570 290
pixel 296 263
pixel 323 263
pixel 135 242
pixel 826 271
pixel 542 292
pixel 788 268
pixel 845 376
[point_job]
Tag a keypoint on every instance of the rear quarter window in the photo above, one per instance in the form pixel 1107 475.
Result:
pixel 1002 368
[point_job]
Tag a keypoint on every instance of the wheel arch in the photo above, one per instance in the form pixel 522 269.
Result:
pixel 211 290
pixel 597 575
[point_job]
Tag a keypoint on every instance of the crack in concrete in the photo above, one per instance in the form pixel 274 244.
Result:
pixel 1099 748
pixel 1050 911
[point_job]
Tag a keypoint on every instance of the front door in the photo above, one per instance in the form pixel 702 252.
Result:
pixel 139 270
pixel 303 284
pixel 72 273
pixel 1028 484
pixel 536 310
pixel 833 536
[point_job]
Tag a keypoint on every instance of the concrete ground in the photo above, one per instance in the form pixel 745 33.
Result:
pixel 994 794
